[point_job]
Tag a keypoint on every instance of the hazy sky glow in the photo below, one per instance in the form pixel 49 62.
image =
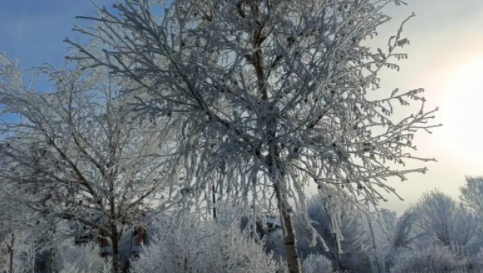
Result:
pixel 445 58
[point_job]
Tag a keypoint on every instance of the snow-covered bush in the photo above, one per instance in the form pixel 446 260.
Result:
pixel 187 245
pixel 429 259
pixel 473 263
pixel 317 264
pixel 81 259
pixel 232 251
pixel 274 245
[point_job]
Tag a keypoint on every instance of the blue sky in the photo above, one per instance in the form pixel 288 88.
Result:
pixel 34 30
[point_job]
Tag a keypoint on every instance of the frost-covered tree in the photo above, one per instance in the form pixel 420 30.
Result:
pixel 19 253
pixel 272 94
pixel 445 221
pixel 78 153
pixel 401 235
pixel 8 230
pixel 17 222
pixel 472 194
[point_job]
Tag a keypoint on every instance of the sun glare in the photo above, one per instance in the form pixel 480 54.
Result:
pixel 463 112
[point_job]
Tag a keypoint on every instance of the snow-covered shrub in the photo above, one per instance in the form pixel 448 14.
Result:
pixel 474 263
pixel 274 245
pixel 316 263
pixel 429 259
pixel 174 249
pixel 232 251
pixel 187 246
pixel 81 258
pixel 72 268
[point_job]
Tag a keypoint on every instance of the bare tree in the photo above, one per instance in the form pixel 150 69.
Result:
pixel 272 93
pixel 79 154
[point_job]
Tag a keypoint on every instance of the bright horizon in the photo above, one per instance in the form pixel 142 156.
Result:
pixel 445 58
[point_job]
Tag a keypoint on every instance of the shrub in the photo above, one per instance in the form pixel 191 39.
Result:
pixel 315 263
pixel 81 259
pixel 190 246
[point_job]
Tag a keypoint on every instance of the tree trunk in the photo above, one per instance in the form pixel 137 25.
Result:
pixel 213 190
pixel 10 253
pixel 337 250
pixel 290 241
pixel 115 249
pixel 51 266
